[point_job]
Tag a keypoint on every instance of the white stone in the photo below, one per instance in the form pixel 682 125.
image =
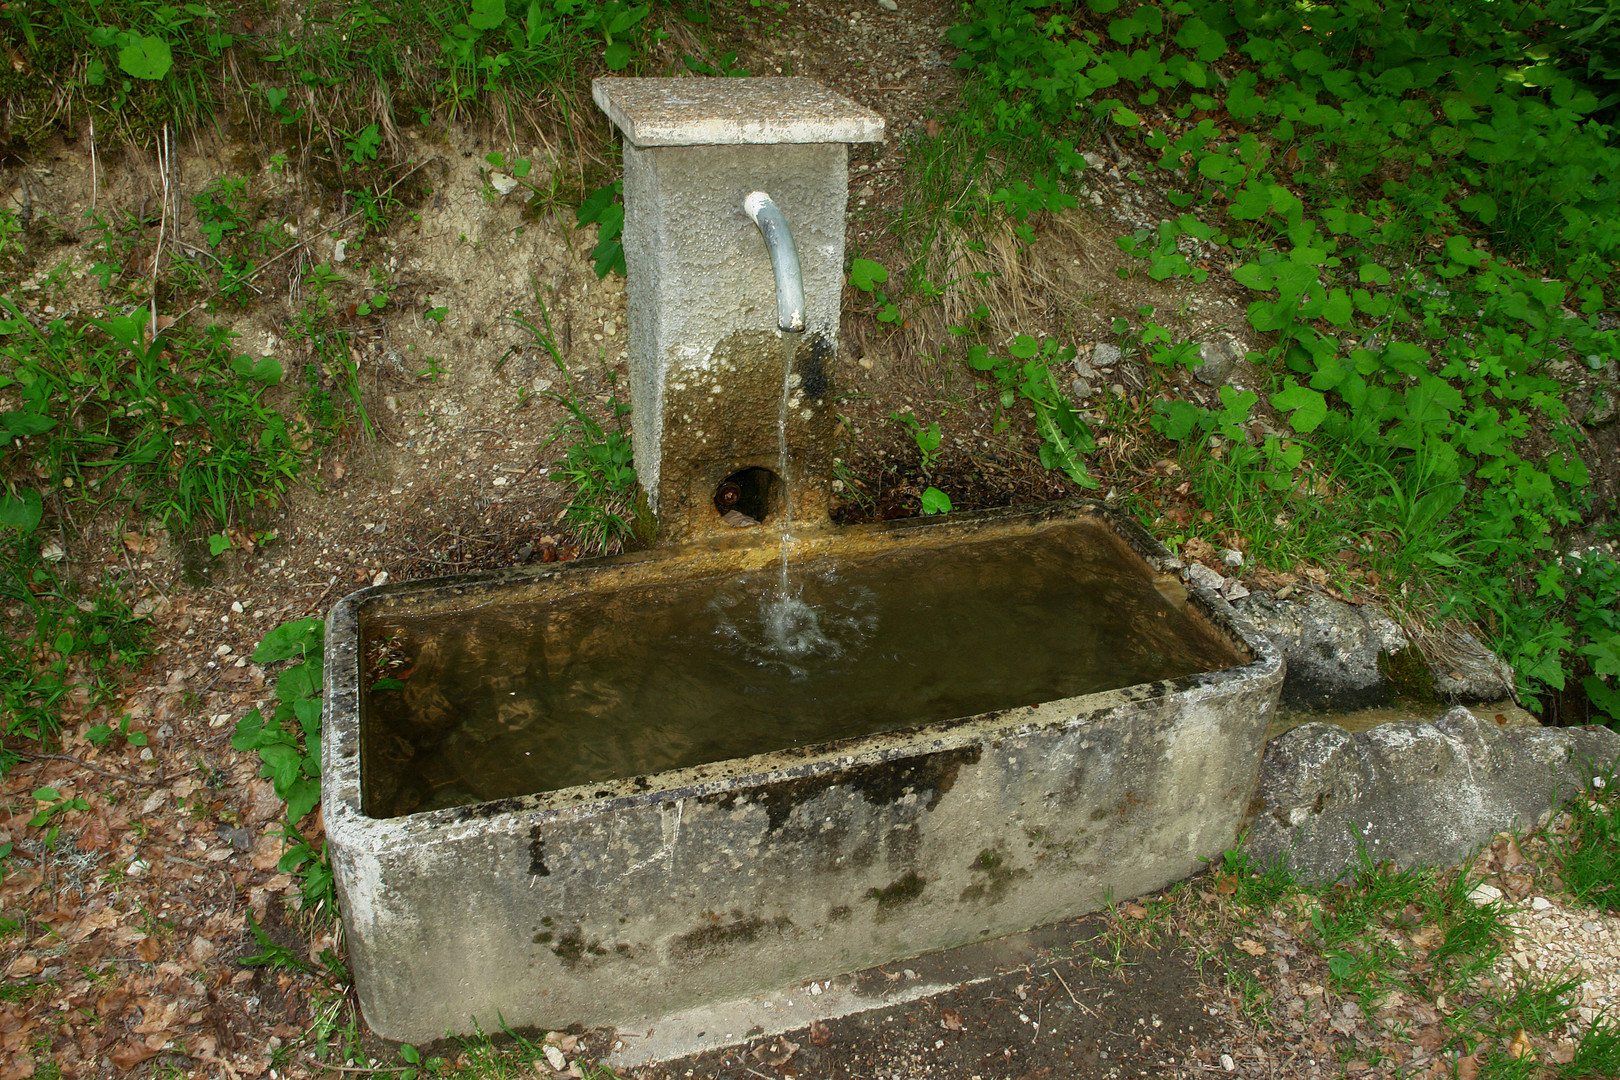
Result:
pixel 1483 894
pixel 1540 903
pixel 555 1056
pixel 381 578
pixel 502 183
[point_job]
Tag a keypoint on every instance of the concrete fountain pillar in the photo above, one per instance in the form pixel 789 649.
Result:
pixel 707 361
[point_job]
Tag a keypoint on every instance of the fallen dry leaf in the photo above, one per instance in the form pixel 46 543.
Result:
pixel 820 1034
pixel 1250 946
pixel 1132 910
pixel 950 1020
pixel 1467 1067
pixel 777 1052
pixel 1520 1047
pixel 267 851
pixel 26 964
pixel 132 1053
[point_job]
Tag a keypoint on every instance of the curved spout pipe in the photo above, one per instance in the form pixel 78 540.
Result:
pixel 784 260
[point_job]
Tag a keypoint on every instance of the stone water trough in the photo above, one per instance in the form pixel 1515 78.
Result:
pixel 599 791
pixel 603 902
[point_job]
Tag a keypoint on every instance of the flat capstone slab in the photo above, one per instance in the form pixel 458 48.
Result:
pixel 733 112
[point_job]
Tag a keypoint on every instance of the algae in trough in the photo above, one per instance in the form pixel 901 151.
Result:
pixel 518 698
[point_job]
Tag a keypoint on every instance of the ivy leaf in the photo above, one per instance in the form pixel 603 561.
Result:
pixel 22 509
pixel 298 682
pixel 21 424
pixel 281 766
pixel 146 58
pixel 299 638
pixel 486 14
pixel 935 501
pixel 1481 206
pixel 302 795
pixel 1337 310
pixel 1176 419
pixel 866 275
pixel 1255 276
pixel 1309 407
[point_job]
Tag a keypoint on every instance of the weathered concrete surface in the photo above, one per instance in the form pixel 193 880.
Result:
pixel 644 896
pixel 1417 794
pixel 1332 648
pixel 732 112
pixel 706 358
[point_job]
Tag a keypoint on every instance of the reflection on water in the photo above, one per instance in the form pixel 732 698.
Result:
pixel 510 699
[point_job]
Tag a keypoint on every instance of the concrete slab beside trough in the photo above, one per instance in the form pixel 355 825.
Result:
pixel 645 895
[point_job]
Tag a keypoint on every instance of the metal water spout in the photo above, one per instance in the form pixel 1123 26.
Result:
pixel 784 260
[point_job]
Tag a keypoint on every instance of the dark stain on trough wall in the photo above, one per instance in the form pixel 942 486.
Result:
pixel 879 783
pixel 537 853
pixel 716 938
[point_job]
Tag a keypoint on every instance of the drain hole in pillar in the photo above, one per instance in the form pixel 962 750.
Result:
pixel 746 496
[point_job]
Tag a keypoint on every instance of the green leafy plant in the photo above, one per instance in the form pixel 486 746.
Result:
pixel 1025 373
pixel 596 463
pixel 55 804
pixel 220 208
pixel 363 145
pixel 289 740
pixel 289 747
pixel 604 208
pixel 866 275
pixel 927 439
pixel 724 66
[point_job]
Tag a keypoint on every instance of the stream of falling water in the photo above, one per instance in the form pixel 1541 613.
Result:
pixel 790 347
pixel 793 626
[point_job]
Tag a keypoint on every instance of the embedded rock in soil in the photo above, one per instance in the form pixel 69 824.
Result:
pixel 1332 649
pixel 1415 793
pixel 1219 357
pixel 1465 671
